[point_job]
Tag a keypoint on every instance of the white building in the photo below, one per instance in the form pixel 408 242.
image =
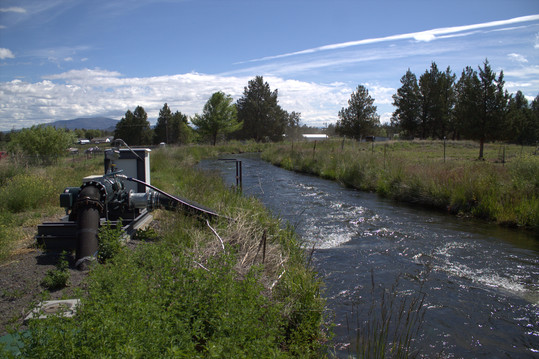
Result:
pixel 315 137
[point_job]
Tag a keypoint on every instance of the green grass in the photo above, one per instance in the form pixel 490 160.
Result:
pixel 195 291
pixel 501 189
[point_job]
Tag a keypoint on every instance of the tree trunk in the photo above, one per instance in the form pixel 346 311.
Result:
pixel 481 143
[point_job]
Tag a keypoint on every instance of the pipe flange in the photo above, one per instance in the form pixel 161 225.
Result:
pixel 88 202
pixel 100 186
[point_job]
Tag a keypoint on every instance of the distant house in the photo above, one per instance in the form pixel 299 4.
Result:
pixel 83 141
pixel 315 137
pixel 98 140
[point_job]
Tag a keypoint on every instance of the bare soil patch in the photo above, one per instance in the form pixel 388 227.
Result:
pixel 21 289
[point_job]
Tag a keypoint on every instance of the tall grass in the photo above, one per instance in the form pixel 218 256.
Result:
pixel 30 194
pixel 202 289
pixel 503 190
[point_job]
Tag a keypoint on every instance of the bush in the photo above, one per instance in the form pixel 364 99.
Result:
pixel 44 143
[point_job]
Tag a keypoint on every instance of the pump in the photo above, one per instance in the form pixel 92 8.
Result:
pixel 122 193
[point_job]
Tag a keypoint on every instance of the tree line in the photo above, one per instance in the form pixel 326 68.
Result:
pixel 436 105
pixel 256 115
pixel 475 107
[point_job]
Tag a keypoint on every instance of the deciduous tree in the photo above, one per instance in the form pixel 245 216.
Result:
pixel 219 116
pixel 43 143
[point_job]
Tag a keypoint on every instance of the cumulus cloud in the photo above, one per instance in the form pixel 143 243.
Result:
pixel 6 54
pixel 97 92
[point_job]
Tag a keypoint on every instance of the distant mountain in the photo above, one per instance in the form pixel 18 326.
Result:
pixel 89 123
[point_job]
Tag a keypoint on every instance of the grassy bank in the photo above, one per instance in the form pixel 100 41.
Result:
pixel 503 189
pixel 194 289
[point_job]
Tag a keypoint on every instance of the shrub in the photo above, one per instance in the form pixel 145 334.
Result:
pixel 44 143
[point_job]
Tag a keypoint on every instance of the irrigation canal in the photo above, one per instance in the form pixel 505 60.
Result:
pixel 482 281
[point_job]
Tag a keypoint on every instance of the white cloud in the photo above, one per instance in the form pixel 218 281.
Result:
pixel 6 54
pixel 425 36
pixel 13 9
pixel 97 92
pixel 68 59
pixel 517 58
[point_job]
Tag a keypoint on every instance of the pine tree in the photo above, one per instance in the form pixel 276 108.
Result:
pixel 134 128
pixel 359 119
pixel 406 102
pixel 163 127
pixel 259 110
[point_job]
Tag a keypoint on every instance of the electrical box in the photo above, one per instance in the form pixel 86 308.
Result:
pixel 134 163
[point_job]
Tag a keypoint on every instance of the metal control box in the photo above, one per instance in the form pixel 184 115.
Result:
pixel 134 163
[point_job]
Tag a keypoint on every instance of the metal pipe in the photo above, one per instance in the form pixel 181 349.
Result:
pixel 187 205
pixel 88 207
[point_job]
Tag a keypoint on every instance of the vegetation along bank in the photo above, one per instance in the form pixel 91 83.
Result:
pixel 192 288
pixel 438 174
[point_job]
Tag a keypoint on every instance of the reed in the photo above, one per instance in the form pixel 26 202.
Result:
pixel 392 325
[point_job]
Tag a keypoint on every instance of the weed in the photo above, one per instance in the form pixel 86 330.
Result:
pixel 184 295
pixel 109 241
pixel 146 234
pixel 57 278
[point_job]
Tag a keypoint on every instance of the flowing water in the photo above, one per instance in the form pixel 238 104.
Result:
pixel 481 282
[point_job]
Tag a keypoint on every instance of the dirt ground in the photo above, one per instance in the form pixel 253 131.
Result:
pixel 20 285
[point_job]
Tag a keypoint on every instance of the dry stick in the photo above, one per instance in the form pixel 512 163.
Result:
pixel 215 232
pixel 206 269
pixel 278 278
pixel 264 249
pixel 262 243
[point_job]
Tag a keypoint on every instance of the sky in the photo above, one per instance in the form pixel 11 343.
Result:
pixel 64 59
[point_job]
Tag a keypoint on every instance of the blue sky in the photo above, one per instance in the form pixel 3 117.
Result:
pixel 64 59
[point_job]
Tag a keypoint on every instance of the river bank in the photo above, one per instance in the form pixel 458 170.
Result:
pixel 478 281
pixel 502 189
pixel 195 289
